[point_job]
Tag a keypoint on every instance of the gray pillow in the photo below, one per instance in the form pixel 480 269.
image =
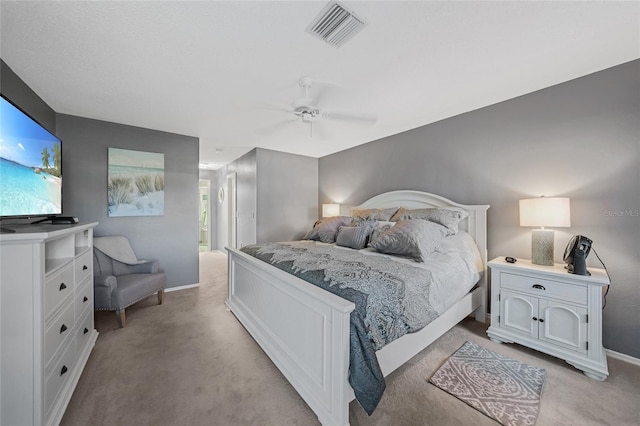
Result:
pixel 449 217
pixel 414 239
pixel 373 214
pixel 325 230
pixel 379 228
pixel 353 236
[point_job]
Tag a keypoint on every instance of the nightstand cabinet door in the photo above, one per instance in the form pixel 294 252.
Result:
pixel 519 313
pixel 563 325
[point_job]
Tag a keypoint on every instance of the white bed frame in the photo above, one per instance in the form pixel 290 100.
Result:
pixel 305 330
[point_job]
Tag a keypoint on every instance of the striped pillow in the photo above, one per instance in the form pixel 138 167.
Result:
pixel 325 230
pixel 353 236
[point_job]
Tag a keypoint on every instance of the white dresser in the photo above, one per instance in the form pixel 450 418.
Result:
pixel 550 310
pixel 46 319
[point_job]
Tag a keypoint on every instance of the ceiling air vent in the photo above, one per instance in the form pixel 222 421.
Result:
pixel 336 24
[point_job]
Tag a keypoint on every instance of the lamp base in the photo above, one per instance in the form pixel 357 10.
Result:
pixel 542 247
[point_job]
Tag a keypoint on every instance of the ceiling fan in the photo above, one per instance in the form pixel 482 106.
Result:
pixel 307 109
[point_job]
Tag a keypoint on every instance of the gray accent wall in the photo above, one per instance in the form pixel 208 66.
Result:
pixel 277 197
pixel 579 139
pixel 171 238
pixel 287 195
pixel 17 91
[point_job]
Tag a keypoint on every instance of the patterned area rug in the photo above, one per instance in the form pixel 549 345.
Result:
pixel 504 389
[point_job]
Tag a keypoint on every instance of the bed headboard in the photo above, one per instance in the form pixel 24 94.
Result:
pixel 475 224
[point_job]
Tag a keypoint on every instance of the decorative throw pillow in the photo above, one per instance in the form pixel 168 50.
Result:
pixel 353 236
pixel 415 239
pixel 373 214
pixel 380 227
pixel 325 230
pixel 449 217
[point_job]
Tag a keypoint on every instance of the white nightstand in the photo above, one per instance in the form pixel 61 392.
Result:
pixel 550 310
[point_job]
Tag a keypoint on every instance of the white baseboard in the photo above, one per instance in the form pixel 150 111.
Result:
pixel 623 357
pixel 181 287
pixel 222 252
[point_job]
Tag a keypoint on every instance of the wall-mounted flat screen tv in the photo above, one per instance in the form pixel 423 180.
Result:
pixel 30 166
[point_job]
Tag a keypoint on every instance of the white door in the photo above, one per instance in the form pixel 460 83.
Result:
pixel 205 208
pixel 232 211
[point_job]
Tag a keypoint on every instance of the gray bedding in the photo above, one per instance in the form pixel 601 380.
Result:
pixel 391 299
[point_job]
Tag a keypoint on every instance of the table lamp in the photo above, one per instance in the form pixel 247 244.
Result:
pixel 329 210
pixel 553 212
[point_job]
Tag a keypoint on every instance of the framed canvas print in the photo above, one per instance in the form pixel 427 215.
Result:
pixel 135 183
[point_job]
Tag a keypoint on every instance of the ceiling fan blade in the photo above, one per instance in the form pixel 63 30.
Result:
pixel 356 118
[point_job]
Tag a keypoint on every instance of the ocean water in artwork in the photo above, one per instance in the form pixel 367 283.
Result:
pixel 28 190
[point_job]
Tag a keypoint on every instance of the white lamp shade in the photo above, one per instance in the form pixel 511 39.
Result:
pixel 553 212
pixel 329 210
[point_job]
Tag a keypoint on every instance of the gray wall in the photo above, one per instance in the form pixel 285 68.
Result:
pixel 277 197
pixel 246 206
pixel 171 238
pixel 287 195
pixel 580 139
pixel 16 90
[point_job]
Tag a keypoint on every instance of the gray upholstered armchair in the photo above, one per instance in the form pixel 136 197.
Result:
pixel 120 279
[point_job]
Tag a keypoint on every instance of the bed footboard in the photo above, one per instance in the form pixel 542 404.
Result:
pixel 302 328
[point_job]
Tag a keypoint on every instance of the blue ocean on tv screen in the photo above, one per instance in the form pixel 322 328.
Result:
pixel 25 190
pixel 30 166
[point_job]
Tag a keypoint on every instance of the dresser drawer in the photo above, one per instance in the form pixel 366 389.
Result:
pixel 57 332
pixel 84 298
pixel 85 326
pixel 84 266
pixel 543 287
pixel 58 375
pixel 57 288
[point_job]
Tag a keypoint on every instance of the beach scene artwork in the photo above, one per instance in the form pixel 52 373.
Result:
pixel 30 166
pixel 135 183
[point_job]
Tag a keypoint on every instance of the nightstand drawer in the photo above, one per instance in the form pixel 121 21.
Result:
pixel 543 287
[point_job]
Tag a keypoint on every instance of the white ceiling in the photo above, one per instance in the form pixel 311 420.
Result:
pixel 215 70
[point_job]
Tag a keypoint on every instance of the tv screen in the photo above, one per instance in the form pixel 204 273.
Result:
pixel 30 166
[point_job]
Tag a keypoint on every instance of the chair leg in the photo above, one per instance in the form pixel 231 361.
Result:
pixel 122 322
pixel 161 297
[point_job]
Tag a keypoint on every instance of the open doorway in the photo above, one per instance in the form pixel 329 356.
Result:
pixel 205 209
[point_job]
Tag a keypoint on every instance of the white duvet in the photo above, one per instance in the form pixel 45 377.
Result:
pixel 456 266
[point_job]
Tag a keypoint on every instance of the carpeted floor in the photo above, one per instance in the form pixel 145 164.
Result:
pixel 189 362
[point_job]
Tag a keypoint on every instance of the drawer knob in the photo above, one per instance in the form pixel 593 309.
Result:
pixel 64 370
pixel 63 286
pixel 86 330
pixel 63 328
pixel 539 287
pixel 85 267
pixel 541 320
pixel 535 319
pixel 84 299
